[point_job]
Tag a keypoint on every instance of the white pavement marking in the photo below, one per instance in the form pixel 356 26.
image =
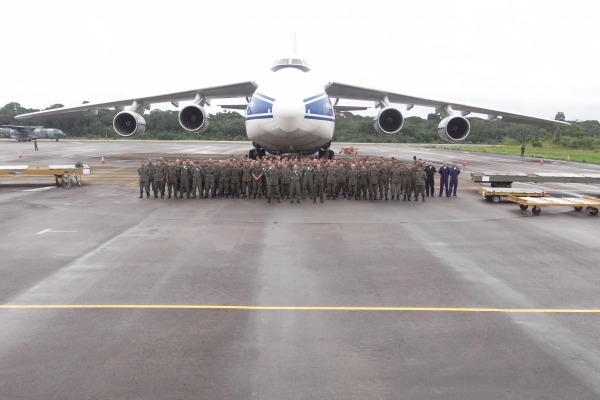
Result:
pixel 51 231
pixel 39 189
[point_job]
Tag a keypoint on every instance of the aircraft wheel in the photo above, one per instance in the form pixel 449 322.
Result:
pixel 252 154
pixel 536 210
pixel 523 207
pixel 330 154
pixel 495 199
pixel 578 208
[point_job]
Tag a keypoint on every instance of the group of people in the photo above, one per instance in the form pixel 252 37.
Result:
pixel 296 179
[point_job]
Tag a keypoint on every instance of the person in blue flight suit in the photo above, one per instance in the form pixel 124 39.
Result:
pixel 444 175
pixel 454 172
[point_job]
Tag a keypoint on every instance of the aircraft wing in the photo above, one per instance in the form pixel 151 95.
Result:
pixel 343 91
pixel 242 89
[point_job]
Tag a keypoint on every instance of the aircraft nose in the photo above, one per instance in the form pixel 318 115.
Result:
pixel 288 113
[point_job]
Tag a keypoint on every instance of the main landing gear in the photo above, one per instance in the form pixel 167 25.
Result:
pixel 256 152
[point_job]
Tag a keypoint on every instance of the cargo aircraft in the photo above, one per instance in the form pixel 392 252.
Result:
pixel 292 113
pixel 28 133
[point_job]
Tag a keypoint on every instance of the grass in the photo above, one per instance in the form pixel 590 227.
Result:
pixel 546 152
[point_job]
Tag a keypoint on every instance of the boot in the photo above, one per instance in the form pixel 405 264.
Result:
pixel 279 200
pixel 322 200
pixel 297 200
pixel 315 200
pixel 269 200
pixel 386 197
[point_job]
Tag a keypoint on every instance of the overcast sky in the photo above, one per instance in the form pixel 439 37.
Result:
pixel 531 57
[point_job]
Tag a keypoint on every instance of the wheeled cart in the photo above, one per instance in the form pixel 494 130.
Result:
pixel 578 203
pixel 496 194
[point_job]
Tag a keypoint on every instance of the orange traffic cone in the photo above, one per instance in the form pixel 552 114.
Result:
pixel 541 162
pixel 20 156
pixel 464 163
pixel 102 161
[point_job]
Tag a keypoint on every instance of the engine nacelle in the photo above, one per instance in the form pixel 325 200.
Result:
pixel 389 121
pixel 193 118
pixel 129 124
pixel 454 128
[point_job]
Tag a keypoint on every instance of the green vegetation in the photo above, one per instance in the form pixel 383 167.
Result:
pixel 579 142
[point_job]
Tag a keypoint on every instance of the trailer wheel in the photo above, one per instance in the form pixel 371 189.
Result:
pixel 523 207
pixel 536 210
pixel 593 211
pixel 578 208
pixel 495 199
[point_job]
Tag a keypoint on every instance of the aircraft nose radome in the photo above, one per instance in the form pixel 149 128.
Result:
pixel 288 113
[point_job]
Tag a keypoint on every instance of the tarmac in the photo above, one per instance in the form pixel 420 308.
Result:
pixel 107 296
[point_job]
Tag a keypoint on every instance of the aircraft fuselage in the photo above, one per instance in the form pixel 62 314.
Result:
pixel 289 112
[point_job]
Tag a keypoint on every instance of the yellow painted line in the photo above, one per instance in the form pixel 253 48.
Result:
pixel 292 308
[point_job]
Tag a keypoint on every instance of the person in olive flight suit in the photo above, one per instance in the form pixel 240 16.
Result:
pixel 420 176
pixel 184 175
pixel 295 178
pixel 319 181
pixel 396 174
pixel 197 173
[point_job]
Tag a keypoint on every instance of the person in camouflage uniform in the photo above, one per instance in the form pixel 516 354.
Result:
pixel 151 181
pixel 160 174
pixel 396 174
pixel 257 175
pixel 420 176
pixel 209 180
pixel 373 181
pixel 144 174
pixel 285 179
pixel 406 179
pixel 235 179
pixel 331 179
pixel 384 180
pixel 224 180
pixel 247 179
pixel 363 182
pixel 172 174
pixel 353 175
pixel 308 172
pixel 272 174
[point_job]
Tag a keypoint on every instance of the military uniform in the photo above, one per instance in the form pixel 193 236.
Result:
pixel 295 177
pixel 235 177
pixel 384 182
pixel 172 180
pixel 159 179
pixel 184 175
pixel 144 174
pixel 363 183
pixel 373 182
pixel 406 178
pixel 353 175
pixel 319 181
pixel 257 175
pixel 331 180
pixel 246 181
pixel 308 181
pixel 272 175
pixel 209 181
pixel 396 173
pixel 224 180
pixel 285 179
pixel 420 177
pixel 197 173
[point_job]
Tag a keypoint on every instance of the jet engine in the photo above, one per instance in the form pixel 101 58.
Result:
pixel 389 121
pixel 454 128
pixel 193 118
pixel 129 124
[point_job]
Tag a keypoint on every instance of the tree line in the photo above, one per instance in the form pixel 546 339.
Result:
pixel 164 125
